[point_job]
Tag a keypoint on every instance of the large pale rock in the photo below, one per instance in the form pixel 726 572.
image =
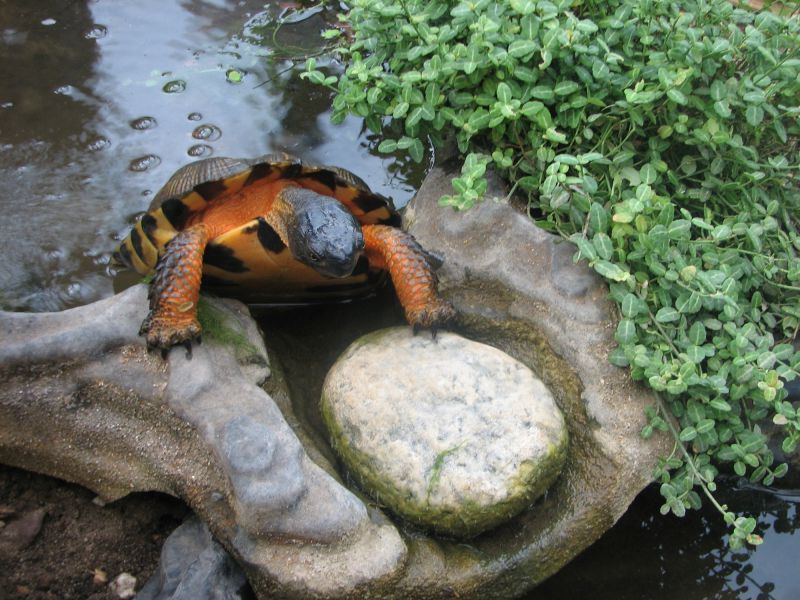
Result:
pixel 81 399
pixel 450 434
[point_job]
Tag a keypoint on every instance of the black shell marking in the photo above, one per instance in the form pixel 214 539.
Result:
pixel 223 258
pixel 268 237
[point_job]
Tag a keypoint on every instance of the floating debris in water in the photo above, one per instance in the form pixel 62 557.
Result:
pixel 64 90
pixel 207 132
pixel 176 86
pixel 200 151
pixel 143 123
pixel 96 32
pixel 143 163
pixel 48 22
pixel 195 116
pixel 234 75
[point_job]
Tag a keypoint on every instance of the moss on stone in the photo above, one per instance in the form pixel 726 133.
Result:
pixel 463 521
pixel 214 323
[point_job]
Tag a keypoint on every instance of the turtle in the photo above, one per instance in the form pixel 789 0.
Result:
pixel 272 229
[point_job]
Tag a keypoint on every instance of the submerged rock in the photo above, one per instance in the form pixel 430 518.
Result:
pixel 453 435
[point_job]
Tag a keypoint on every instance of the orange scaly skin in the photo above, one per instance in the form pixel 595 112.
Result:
pixel 175 289
pixel 414 281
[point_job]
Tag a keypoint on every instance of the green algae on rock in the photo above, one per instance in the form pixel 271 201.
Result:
pixel 457 436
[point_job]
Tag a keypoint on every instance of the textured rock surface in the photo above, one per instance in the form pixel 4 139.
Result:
pixel 456 436
pixel 194 567
pixel 81 399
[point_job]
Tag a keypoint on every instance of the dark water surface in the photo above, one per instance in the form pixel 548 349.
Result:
pixel 100 101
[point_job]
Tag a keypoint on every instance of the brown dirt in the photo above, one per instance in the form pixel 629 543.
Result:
pixel 77 537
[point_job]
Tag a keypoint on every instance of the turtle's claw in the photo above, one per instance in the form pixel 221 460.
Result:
pixel 163 333
pixel 433 316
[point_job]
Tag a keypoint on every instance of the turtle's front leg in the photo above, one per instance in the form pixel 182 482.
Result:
pixel 175 291
pixel 414 280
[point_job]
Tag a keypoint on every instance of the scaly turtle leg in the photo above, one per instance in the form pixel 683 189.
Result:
pixel 175 291
pixel 414 280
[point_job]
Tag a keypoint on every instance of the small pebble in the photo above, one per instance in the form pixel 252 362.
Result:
pixel 124 586
pixel 100 577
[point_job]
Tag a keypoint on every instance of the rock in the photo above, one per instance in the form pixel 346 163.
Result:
pixel 20 532
pixel 448 433
pixel 81 399
pixel 194 567
pixel 123 586
pixel 516 288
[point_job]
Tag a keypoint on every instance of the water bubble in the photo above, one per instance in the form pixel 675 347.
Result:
pixel 195 116
pixel 73 290
pixel 98 144
pixel 207 132
pixel 200 151
pixel 148 161
pixel 64 90
pixel 234 75
pixel 6 104
pixel 49 22
pixel 176 86
pixel 147 193
pixel 96 32
pixel 143 123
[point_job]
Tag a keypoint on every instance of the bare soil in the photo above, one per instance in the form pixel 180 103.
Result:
pixel 80 542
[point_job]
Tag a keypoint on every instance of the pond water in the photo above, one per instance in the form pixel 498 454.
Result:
pixel 101 100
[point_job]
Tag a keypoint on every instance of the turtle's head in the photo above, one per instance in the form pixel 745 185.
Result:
pixel 325 235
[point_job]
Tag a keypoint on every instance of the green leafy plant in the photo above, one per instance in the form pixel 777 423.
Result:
pixel 662 139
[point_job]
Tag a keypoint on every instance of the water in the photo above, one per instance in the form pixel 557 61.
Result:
pixel 100 101
pixel 646 556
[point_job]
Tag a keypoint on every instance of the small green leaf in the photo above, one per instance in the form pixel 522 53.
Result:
pixel 688 434
pixel 565 88
pixel 677 96
pixel 603 245
pixel 667 314
pixel 626 331
pixel 611 271
pixel 754 115
pixel 521 48
pixel 648 174
pixel 416 151
pixel 387 146
pixel 630 306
